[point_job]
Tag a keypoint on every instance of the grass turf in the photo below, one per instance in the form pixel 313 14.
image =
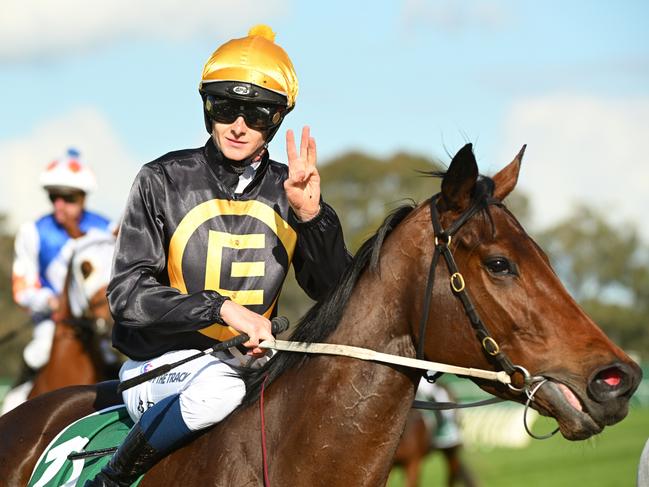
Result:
pixel 608 460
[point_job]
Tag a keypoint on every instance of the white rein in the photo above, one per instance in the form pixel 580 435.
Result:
pixel 374 356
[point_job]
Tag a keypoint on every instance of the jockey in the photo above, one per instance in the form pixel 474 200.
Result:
pixel 43 248
pixel 206 242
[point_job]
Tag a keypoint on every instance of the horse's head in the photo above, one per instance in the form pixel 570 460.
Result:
pixel 533 321
pixel 90 268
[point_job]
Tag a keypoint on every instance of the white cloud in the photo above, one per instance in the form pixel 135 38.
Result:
pixel 583 149
pixel 454 16
pixel 30 29
pixel 23 159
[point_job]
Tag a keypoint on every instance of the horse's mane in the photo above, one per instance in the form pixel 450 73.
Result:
pixel 323 318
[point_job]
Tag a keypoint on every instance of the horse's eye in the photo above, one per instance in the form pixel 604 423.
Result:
pixel 500 266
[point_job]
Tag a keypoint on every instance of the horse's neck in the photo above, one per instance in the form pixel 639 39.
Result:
pixel 351 411
pixel 346 413
pixel 69 362
pixel 69 350
pixel 66 340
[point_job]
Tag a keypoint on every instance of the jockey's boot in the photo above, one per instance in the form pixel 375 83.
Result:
pixel 134 457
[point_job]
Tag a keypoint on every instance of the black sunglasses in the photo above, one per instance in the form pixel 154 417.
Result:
pixel 258 116
pixel 67 197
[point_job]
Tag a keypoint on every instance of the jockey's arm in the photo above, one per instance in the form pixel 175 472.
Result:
pixel 137 295
pixel 320 255
pixel 26 284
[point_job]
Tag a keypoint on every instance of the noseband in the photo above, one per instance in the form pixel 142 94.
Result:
pixel 531 384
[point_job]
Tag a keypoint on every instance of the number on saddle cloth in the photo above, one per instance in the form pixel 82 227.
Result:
pixel 103 429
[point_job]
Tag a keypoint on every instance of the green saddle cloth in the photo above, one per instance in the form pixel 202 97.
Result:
pixel 103 429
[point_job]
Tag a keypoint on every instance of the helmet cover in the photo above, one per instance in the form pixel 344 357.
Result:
pixel 68 173
pixel 254 59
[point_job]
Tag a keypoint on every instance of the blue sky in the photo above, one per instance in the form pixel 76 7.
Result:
pixel 119 81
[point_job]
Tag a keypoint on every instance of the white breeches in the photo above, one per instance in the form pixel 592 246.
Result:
pixel 209 388
pixel 37 351
pixel 16 396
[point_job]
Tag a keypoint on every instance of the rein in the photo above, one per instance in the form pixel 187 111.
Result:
pixel 374 356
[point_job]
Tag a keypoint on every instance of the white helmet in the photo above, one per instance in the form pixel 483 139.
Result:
pixel 68 172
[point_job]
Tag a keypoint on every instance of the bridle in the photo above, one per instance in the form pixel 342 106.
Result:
pixel 88 326
pixel 443 238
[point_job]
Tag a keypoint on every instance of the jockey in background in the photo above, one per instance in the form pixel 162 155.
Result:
pixel 444 424
pixel 42 252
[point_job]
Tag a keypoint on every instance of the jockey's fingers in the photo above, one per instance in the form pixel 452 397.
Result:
pixel 257 352
pixel 312 155
pixel 265 333
pixel 298 176
pixel 254 350
pixel 251 344
pixel 291 151
pixel 258 332
pixel 304 142
pixel 310 173
pixel 253 338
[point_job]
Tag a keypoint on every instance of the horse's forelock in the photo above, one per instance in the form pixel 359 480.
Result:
pixel 484 190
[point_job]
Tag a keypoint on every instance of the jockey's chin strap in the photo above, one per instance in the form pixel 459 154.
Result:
pixel 442 242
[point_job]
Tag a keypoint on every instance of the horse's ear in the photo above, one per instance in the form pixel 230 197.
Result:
pixel 86 268
pixel 506 179
pixel 460 179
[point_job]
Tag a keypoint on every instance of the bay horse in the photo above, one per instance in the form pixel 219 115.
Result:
pixel 335 420
pixel 80 351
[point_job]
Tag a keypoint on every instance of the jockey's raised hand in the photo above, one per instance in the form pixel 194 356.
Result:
pixel 303 184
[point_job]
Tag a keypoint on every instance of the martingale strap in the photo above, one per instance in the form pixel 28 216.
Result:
pixel 442 406
pixel 442 242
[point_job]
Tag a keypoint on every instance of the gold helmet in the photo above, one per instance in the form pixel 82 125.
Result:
pixel 250 69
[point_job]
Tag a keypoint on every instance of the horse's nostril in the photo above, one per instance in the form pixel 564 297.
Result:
pixel 611 382
pixel 612 377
